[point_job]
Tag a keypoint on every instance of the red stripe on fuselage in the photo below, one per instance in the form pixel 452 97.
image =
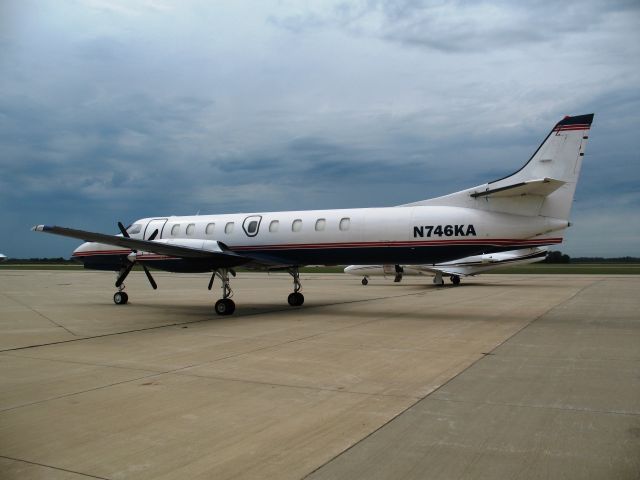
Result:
pixel 330 246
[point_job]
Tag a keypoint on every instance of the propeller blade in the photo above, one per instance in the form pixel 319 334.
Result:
pixel 123 230
pixel 124 274
pixel 149 277
pixel 153 235
pixel 213 277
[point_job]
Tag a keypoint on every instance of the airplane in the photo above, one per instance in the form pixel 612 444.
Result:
pixel 463 267
pixel 2 257
pixel 527 209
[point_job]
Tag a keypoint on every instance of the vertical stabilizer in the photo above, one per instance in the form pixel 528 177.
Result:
pixel 545 185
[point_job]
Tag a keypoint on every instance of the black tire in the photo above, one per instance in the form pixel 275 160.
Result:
pixel 365 282
pixel 295 299
pixel 120 298
pixel 455 280
pixel 225 306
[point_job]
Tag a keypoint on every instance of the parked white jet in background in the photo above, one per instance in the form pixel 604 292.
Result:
pixel 455 269
pixel 2 257
pixel 527 209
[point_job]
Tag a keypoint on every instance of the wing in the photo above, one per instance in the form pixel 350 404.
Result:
pixel 449 270
pixel 204 249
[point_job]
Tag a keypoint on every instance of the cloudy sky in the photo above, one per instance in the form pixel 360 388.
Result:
pixel 119 109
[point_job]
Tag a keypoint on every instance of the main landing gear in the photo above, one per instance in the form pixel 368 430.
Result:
pixel 224 306
pixel 295 299
pixel 455 279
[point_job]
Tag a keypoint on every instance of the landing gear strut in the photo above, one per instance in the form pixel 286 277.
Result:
pixel 121 297
pixel 295 299
pixel 438 280
pixel 224 306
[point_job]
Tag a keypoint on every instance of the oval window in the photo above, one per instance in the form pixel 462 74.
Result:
pixel 175 230
pixel 296 226
pixel 320 224
pixel 253 226
pixel 345 223
pixel 210 228
pixel 274 225
pixel 191 228
pixel 228 228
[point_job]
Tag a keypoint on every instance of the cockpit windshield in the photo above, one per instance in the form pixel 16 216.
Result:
pixel 133 229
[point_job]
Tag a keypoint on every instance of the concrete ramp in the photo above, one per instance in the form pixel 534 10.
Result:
pixel 560 399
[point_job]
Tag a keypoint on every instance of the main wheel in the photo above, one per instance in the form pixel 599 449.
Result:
pixel 365 281
pixel 455 280
pixel 225 306
pixel 120 298
pixel 295 299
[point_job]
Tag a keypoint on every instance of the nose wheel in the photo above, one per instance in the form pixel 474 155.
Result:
pixel 120 298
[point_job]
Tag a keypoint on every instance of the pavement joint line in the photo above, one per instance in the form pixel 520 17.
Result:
pixel 76 362
pixel 579 290
pixel 548 407
pixel 287 385
pixel 156 327
pixel 581 359
pixel 10 297
pixel 88 475
pixel 80 392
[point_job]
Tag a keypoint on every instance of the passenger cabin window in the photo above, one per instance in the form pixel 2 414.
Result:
pixel 175 230
pixel 135 228
pixel 252 227
pixel 345 223
pixel 320 224
pixel 274 225
pixel 210 228
pixel 228 228
pixel 296 226
pixel 191 228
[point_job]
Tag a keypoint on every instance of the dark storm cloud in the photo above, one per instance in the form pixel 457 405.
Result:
pixel 461 26
pixel 115 110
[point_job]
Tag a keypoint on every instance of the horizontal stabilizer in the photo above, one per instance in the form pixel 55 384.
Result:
pixel 542 187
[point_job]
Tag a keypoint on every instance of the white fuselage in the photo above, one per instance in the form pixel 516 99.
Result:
pixel 415 234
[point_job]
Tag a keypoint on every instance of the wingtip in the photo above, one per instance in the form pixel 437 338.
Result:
pixel 38 228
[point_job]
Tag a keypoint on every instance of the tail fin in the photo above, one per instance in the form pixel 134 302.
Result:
pixel 544 186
